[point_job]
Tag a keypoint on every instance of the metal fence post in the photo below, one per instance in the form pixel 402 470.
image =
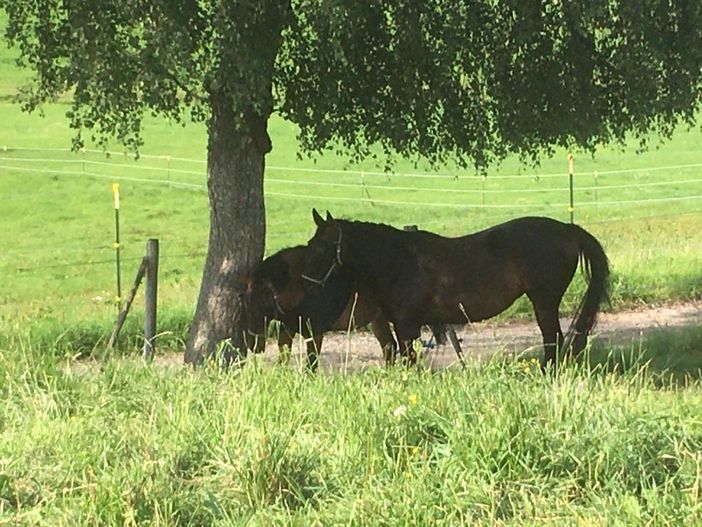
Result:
pixel 117 245
pixel 571 207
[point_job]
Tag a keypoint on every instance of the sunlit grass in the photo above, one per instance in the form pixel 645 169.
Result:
pixel 496 444
pixel 613 441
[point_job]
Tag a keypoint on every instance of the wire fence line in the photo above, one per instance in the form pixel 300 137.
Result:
pixel 360 173
pixel 481 191
pixel 607 194
pixel 134 166
pixel 365 198
pixel 202 254
pixel 167 182
pixel 467 206
pixel 313 170
pixel 89 263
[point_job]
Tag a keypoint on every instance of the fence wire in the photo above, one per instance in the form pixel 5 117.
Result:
pixel 608 195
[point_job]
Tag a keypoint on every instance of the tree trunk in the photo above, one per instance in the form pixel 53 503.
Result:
pixel 235 164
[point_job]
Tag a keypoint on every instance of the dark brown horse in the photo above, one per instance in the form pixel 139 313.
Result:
pixel 274 291
pixel 423 278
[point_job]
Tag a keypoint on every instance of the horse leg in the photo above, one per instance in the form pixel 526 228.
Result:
pixel 407 333
pixel 285 340
pixel 550 326
pixel 381 329
pixel 314 345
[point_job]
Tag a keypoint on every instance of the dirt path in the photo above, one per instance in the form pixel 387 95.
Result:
pixel 357 350
pixel 360 349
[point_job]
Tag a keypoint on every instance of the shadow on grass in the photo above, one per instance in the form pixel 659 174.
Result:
pixel 671 355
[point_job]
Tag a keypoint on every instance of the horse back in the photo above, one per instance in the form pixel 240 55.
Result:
pixel 432 278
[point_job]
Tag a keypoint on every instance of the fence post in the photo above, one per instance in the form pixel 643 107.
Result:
pixel 571 207
pixel 597 201
pixel 150 299
pixel 364 189
pixel 127 304
pixel 117 245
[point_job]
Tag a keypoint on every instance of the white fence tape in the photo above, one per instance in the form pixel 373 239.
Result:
pixel 358 171
pixel 12 163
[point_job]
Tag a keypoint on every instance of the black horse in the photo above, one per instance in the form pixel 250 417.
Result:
pixel 423 278
pixel 274 291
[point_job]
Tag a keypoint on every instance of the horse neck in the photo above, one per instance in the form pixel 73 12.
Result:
pixel 365 244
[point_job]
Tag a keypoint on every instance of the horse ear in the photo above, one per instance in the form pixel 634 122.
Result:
pixel 329 216
pixel 318 220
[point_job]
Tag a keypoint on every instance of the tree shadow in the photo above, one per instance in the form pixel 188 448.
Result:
pixel 670 355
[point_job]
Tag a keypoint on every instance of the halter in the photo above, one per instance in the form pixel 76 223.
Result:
pixel 280 312
pixel 336 262
pixel 278 308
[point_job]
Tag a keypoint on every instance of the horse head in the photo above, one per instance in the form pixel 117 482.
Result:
pixel 260 305
pixel 255 314
pixel 323 250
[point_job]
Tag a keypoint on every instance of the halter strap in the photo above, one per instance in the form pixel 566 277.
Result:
pixel 336 262
pixel 278 308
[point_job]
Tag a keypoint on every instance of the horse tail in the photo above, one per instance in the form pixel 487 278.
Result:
pixel 595 265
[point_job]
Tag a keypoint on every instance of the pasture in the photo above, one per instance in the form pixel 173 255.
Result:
pixel 57 207
pixel 121 444
pixel 108 441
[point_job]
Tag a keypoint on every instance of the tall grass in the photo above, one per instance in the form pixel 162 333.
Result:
pixel 500 444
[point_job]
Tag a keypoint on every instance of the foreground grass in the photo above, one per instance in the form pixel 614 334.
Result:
pixel 500 444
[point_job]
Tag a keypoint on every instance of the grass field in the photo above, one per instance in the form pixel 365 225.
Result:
pixel 613 441
pixel 121 444
pixel 58 259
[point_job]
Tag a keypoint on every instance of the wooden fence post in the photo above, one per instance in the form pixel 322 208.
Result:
pixel 150 299
pixel 127 304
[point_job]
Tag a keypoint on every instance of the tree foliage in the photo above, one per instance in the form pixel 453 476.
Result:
pixel 479 79
pixel 123 59
pixel 472 79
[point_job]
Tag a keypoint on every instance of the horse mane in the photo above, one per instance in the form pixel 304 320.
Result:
pixel 368 225
pixel 384 239
pixel 369 231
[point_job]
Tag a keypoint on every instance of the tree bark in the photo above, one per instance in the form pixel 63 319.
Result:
pixel 235 165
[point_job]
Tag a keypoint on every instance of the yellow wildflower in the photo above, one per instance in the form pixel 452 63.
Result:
pixel 412 399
